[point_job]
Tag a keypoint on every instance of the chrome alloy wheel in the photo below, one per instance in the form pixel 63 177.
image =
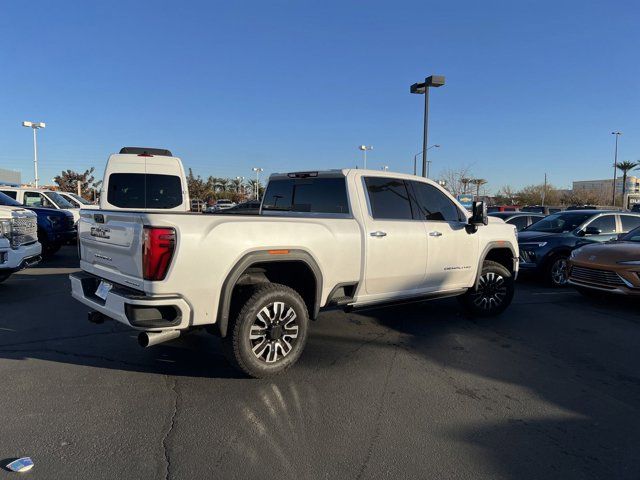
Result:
pixel 274 332
pixel 491 291
pixel 559 272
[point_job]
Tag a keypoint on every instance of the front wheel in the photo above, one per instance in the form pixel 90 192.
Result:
pixel 558 271
pixel 493 293
pixel 269 333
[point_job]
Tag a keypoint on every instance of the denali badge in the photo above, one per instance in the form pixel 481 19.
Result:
pixel 100 232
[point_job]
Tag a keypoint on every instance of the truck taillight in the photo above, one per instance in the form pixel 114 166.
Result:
pixel 158 245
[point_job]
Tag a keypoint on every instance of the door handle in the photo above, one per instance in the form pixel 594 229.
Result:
pixel 378 234
pixel 435 234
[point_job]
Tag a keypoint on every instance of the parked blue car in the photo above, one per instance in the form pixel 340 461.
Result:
pixel 546 245
pixel 55 227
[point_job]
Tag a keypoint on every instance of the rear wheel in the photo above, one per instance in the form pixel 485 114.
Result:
pixel 558 271
pixel 269 333
pixel 493 293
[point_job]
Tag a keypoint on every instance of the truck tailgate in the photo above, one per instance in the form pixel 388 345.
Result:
pixel 111 246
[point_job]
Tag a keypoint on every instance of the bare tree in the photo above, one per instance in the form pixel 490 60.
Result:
pixel 457 179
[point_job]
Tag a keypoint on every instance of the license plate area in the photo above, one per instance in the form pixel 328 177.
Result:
pixel 103 289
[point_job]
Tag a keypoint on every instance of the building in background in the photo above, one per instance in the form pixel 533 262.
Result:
pixel 10 177
pixel 633 185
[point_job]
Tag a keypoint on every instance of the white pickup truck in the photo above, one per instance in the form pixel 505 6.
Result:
pixel 340 238
pixel 19 247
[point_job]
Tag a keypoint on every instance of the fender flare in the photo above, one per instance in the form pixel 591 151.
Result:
pixel 491 246
pixel 262 256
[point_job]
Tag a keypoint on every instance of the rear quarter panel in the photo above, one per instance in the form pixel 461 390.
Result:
pixel 208 247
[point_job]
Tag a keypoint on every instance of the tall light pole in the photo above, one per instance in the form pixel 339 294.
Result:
pixel 615 166
pixel 423 89
pixel 258 170
pixel 364 149
pixel 415 158
pixel 35 126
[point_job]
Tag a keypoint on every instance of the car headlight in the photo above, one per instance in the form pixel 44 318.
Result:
pixel 533 244
pixel 629 262
pixel 5 228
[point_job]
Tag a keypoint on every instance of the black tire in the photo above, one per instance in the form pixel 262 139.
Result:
pixel 493 294
pixel 268 314
pixel 4 276
pixel 49 249
pixel 556 273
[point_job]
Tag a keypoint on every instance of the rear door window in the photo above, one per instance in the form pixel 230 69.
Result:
pixel 10 193
pixel 389 198
pixel 140 190
pixel 606 224
pixel 312 195
pixel 629 222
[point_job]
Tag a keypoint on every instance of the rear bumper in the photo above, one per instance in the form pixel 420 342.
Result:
pixel 132 308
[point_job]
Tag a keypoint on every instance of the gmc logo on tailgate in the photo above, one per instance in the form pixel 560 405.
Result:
pixel 100 232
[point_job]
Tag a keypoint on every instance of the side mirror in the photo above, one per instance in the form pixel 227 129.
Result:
pixel 479 214
pixel 592 231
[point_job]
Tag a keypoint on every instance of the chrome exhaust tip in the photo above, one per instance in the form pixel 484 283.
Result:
pixel 148 339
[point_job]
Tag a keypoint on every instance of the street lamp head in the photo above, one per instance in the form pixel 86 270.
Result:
pixel 616 133
pixel 432 81
pixel 435 81
pixel 34 125
pixel 418 88
pixel 364 148
pixel 437 146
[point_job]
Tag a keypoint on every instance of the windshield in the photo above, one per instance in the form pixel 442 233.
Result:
pixel 560 222
pixel 79 199
pixel 7 201
pixel 58 200
pixel 632 236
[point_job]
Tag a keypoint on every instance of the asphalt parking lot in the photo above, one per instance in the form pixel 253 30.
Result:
pixel 551 389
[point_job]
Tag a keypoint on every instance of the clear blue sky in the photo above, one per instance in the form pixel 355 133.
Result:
pixel 292 85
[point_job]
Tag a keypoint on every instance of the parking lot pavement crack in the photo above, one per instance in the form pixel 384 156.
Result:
pixel 378 420
pixel 173 387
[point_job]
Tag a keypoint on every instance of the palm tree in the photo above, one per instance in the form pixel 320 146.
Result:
pixel 478 182
pixel 223 184
pixel 465 184
pixel 625 167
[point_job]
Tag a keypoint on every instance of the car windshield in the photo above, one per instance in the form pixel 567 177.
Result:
pixel 58 200
pixel 7 201
pixel 560 222
pixel 632 236
pixel 79 198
